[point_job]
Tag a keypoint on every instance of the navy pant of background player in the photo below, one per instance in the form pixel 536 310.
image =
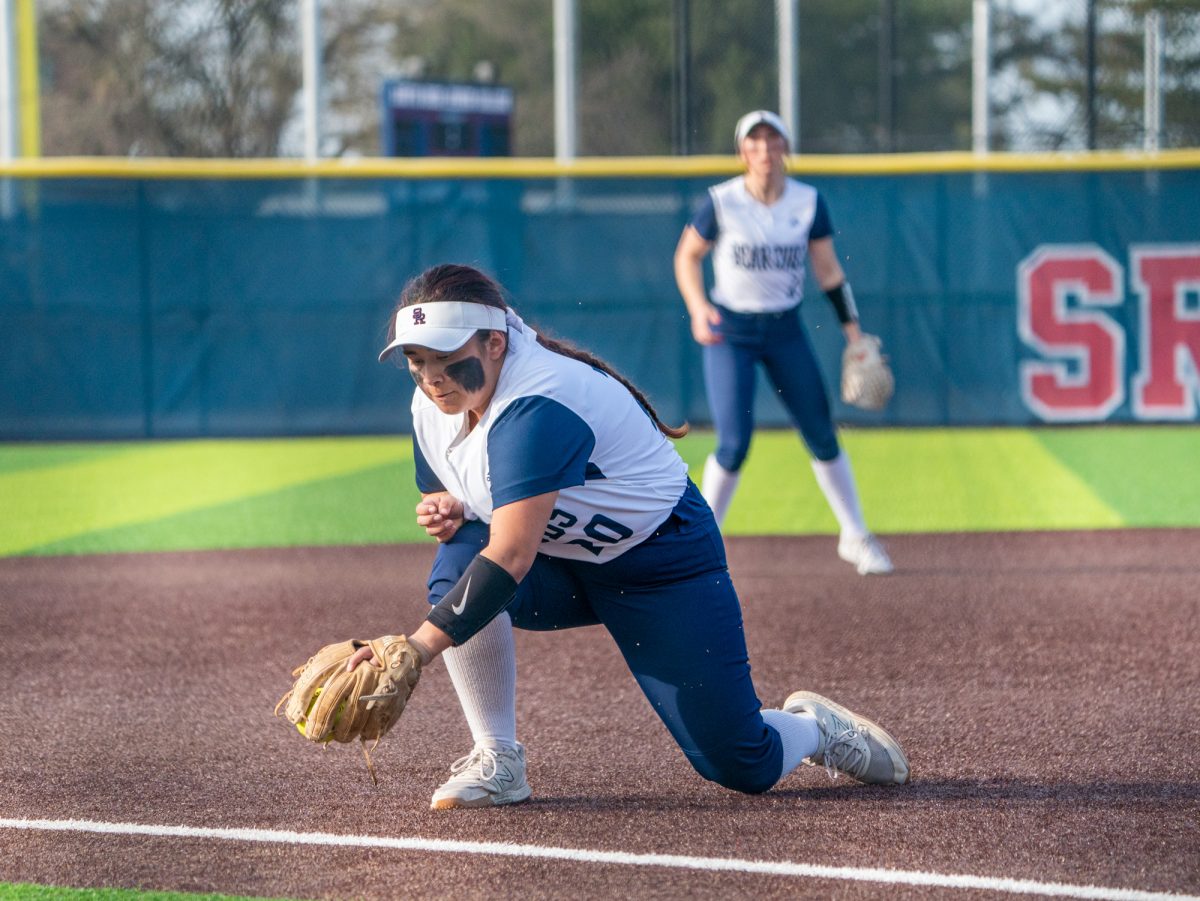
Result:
pixel 671 608
pixel 780 343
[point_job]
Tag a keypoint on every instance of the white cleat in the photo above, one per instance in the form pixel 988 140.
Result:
pixel 851 744
pixel 487 777
pixel 866 554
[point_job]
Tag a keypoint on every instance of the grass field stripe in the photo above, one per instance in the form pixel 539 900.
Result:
pixel 618 858
pixel 922 480
pixel 917 480
pixel 156 480
pixel 75 498
pixel 1148 475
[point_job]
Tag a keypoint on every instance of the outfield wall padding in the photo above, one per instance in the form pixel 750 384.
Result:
pixel 180 307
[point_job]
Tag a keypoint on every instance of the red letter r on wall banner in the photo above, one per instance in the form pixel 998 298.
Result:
pixel 1166 278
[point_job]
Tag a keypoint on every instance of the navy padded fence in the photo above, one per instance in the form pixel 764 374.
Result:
pixel 146 307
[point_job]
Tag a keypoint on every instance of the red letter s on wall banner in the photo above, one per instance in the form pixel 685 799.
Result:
pixel 1082 375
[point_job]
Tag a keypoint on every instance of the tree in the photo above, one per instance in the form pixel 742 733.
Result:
pixel 1054 68
pixel 885 76
pixel 168 77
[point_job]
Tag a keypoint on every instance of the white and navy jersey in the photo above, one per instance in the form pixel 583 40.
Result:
pixel 760 250
pixel 555 424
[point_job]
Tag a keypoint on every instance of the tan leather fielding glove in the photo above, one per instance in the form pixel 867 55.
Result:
pixel 326 703
pixel 867 380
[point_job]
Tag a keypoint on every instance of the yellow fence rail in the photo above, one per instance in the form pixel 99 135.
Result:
pixel 591 167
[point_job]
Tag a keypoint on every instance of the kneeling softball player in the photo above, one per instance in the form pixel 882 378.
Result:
pixel 558 501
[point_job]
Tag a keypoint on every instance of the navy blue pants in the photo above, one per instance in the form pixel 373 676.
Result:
pixel 671 608
pixel 780 343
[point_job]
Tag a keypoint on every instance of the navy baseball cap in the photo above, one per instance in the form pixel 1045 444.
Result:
pixel 759 117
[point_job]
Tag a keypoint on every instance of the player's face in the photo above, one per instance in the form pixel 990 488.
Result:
pixel 763 149
pixel 462 380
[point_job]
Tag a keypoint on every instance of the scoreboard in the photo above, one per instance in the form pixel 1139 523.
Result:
pixel 426 118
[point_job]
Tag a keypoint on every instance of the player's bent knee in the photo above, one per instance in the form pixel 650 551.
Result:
pixel 736 773
pixel 731 459
pixel 826 450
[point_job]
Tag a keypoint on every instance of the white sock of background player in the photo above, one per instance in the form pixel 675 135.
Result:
pixel 837 483
pixel 484 674
pixel 718 485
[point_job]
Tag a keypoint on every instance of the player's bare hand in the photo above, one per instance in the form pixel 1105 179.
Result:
pixel 440 515
pixel 706 326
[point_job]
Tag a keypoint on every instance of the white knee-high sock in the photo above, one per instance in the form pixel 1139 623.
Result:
pixel 836 480
pixel 718 485
pixel 484 673
pixel 800 735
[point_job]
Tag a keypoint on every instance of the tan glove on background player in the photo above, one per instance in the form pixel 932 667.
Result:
pixel 327 703
pixel 867 380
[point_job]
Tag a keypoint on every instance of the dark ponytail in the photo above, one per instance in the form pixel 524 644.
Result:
pixel 577 353
pixel 452 282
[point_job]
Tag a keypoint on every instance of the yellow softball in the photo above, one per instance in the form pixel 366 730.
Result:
pixel 336 715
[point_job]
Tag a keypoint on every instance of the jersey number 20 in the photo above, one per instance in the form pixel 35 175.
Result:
pixel 600 528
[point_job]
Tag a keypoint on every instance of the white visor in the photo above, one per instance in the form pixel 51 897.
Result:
pixel 759 117
pixel 443 325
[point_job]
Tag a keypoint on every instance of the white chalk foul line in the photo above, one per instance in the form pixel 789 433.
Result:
pixel 577 855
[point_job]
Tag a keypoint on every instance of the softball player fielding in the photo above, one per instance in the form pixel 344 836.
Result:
pixel 760 226
pixel 558 501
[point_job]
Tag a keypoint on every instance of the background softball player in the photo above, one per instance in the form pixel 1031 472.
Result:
pixel 559 502
pixel 761 226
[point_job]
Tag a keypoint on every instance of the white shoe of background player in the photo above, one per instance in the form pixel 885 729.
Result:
pixel 866 553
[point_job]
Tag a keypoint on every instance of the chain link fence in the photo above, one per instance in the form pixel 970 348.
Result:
pixel 212 78
pixel 1083 82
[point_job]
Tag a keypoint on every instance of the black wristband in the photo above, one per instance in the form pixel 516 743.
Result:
pixel 842 299
pixel 483 591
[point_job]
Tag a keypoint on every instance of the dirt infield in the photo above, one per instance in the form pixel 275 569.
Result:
pixel 1046 687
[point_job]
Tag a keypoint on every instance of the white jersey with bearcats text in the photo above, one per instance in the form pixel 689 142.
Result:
pixel 760 250
pixel 555 423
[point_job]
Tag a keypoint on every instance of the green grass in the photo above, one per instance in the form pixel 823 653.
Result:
pixel 201 494
pixel 936 480
pixel 1151 476
pixel 23 892
pixel 147 496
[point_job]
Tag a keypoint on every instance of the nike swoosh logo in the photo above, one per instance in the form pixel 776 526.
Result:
pixel 458 608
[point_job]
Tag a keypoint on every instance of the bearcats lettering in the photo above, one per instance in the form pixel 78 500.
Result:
pixel 769 256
